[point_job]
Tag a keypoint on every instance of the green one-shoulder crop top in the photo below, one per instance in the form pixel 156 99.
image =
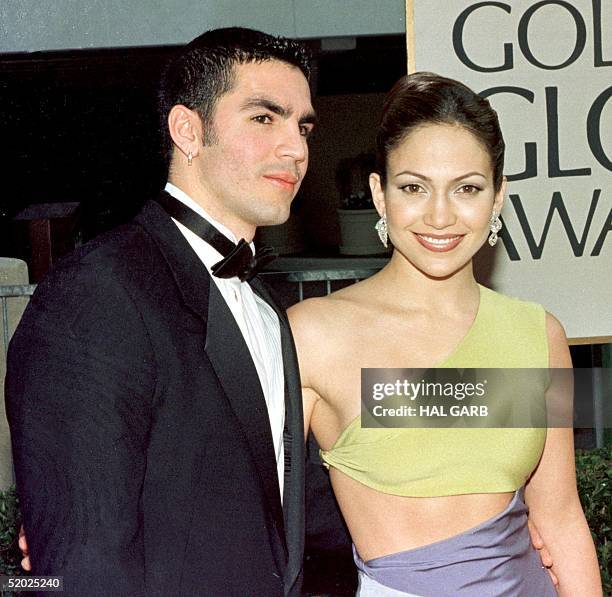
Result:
pixel 428 462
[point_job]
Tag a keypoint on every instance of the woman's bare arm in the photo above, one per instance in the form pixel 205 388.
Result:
pixel 552 496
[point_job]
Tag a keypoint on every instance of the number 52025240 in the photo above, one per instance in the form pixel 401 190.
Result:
pixel 31 583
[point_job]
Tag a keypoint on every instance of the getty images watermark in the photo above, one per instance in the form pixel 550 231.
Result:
pixel 483 398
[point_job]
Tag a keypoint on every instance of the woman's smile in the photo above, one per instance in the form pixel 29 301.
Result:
pixel 439 243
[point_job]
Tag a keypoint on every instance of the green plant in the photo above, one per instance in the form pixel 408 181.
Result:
pixel 594 476
pixel 10 521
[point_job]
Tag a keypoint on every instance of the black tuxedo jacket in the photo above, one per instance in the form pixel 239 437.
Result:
pixel 143 453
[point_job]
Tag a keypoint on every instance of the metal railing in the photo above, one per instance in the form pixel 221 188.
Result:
pixel 7 292
pixel 319 275
pixel 300 277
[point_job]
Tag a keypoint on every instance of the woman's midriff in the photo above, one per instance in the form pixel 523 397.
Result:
pixel 381 524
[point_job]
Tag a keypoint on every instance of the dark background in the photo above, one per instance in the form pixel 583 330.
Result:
pixel 81 125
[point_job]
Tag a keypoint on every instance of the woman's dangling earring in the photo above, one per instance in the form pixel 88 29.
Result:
pixel 381 228
pixel 495 225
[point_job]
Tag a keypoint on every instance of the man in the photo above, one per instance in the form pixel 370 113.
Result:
pixel 153 396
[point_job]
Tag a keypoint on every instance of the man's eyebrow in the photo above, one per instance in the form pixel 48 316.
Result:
pixel 268 104
pixel 309 118
pixel 275 108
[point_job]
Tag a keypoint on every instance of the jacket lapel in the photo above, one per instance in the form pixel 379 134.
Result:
pixel 189 273
pixel 293 495
pixel 225 348
pixel 236 371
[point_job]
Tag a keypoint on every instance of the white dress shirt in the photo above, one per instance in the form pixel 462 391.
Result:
pixel 257 321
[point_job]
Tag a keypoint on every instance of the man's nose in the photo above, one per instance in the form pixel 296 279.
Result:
pixel 292 143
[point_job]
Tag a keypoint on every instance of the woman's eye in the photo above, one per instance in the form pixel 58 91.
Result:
pixel 412 188
pixel 469 189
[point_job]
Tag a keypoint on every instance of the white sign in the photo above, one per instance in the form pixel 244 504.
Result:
pixel 546 67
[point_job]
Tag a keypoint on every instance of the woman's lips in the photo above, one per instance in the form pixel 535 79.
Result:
pixel 439 244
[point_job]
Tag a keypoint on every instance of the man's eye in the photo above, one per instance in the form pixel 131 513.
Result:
pixel 305 130
pixel 262 118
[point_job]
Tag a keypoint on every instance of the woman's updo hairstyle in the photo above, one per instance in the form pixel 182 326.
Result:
pixel 426 98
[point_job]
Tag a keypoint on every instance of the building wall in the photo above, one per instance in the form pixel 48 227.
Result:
pixel 30 25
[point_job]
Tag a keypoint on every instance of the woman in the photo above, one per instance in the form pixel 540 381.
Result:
pixel 440 511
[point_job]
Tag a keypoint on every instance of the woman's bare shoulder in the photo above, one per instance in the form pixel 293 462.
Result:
pixel 325 309
pixel 328 315
pixel 558 350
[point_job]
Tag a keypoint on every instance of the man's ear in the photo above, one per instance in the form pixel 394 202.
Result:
pixel 185 128
pixel 378 194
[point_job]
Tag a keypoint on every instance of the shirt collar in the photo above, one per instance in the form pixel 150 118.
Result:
pixel 189 202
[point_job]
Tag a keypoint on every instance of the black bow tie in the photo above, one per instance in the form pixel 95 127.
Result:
pixel 238 260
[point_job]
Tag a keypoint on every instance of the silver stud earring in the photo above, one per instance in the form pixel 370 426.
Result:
pixel 381 228
pixel 189 159
pixel 495 225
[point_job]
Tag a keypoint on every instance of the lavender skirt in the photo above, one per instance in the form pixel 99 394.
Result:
pixel 494 558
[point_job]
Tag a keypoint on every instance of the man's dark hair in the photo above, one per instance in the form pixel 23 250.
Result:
pixel 204 70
